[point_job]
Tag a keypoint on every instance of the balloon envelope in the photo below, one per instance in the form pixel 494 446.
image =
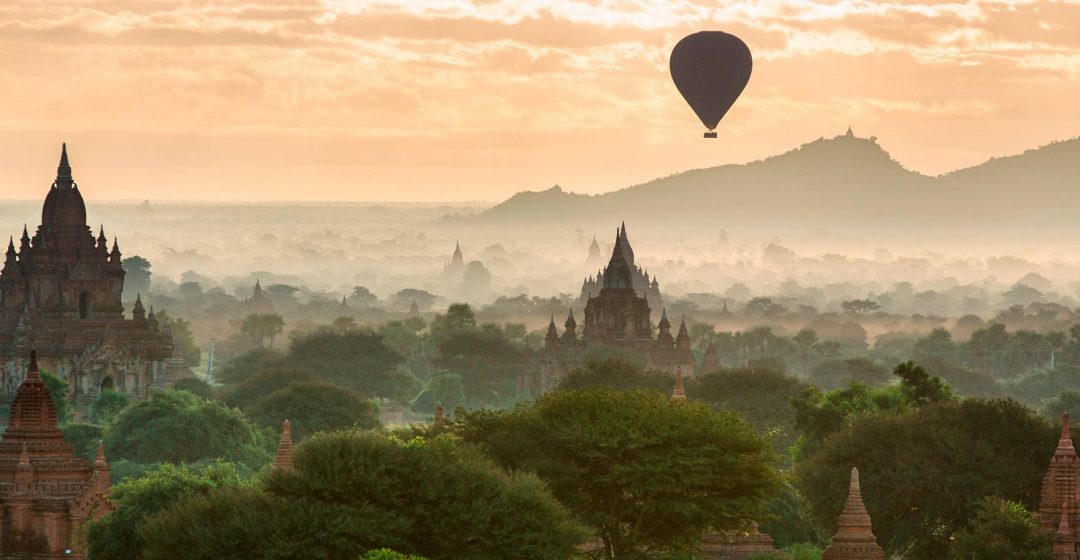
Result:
pixel 711 69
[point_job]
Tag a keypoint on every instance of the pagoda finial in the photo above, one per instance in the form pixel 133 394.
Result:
pixel 440 418
pixel 679 394
pixel 63 171
pixel 283 461
pixel 32 371
pixel 552 331
pixel 25 236
pixel 854 536
pixel 1065 444
pixel 99 460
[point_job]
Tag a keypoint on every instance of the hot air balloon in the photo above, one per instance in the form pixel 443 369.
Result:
pixel 711 69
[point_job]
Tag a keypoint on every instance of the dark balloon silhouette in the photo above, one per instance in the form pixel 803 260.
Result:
pixel 711 69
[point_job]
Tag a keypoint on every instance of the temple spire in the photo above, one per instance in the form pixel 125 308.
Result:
pixel 440 417
pixel 283 460
pixel 32 371
pixel 679 394
pixel 854 536
pixel 63 171
pixel 1065 444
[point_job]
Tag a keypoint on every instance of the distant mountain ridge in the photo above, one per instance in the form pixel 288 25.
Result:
pixel 835 182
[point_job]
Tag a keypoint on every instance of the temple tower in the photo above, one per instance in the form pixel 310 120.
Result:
pixel 854 538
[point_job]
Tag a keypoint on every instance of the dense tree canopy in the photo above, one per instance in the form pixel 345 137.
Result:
pixel 924 473
pixel 180 427
pixel 1001 530
pixel 314 406
pixel 355 491
pixel 119 535
pixel 357 358
pixel 646 473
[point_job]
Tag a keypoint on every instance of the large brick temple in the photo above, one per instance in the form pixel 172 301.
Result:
pixel 618 316
pixel 60 294
pixel 47 494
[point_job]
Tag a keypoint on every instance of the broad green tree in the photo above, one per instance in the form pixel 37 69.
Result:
pixel 355 491
pixel 1001 530
pixel 923 473
pixel 108 404
pixel 647 474
pixel 118 536
pixel 181 427
pixel 314 406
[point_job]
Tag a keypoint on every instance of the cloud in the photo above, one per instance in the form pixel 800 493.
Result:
pixel 447 76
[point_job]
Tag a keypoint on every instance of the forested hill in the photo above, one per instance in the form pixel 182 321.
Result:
pixel 835 182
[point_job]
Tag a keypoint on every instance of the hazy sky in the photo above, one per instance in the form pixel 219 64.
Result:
pixel 477 99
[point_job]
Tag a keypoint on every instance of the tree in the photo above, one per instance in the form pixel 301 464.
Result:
pixel 1065 402
pixel 363 296
pixel 196 385
pixel 118 535
pixel 136 275
pixel 458 319
pixel 805 341
pixel 182 336
pixel 838 372
pixel 615 373
pixel 84 438
pixel 262 326
pixel 761 396
pixel 488 364
pixel 446 389
pixel 859 306
pixel 1001 529
pixel 354 491
pixel 246 365
pixel 358 359
pixel 180 427
pixel 923 473
pixel 247 392
pixel 315 406
pixel 423 299
pixel 108 404
pixel 920 387
pixel 648 474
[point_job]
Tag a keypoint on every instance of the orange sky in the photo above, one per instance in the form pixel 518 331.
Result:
pixel 477 99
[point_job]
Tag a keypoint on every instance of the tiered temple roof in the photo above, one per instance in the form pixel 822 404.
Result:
pixel 854 538
pixel 46 492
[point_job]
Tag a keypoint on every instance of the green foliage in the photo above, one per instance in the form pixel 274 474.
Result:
pixel 136 275
pixel 387 554
pixel 818 415
pixel 118 536
pixel 924 472
pixel 196 385
pixel 84 438
pixel 803 551
pixel 842 372
pixel 354 491
pixel 965 381
pixel 487 362
pixel 458 319
pixel 648 474
pixel 616 373
pixel 251 389
pixel 314 406
pixel 262 328
pixel 1068 401
pixel 1001 529
pixel 920 387
pixel 182 336
pixel 358 359
pixel 180 427
pixel 445 388
pixel 249 363
pixel 108 404
pixel 58 391
pixel 763 397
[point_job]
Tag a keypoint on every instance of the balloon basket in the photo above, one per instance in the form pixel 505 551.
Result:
pixel 710 134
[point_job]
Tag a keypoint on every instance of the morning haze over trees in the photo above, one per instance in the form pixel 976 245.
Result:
pixel 825 353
